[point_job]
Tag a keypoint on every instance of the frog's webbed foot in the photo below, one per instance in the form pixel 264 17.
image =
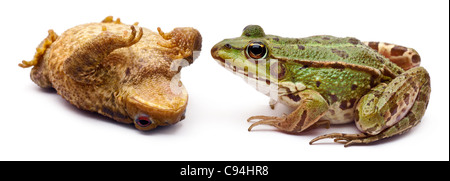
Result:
pixel 364 138
pixel 40 50
pixel 346 139
pixel 311 107
pixel 278 123
pixel 266 120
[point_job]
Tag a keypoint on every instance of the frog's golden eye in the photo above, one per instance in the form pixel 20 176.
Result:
pixel 256 50
pixel 143 120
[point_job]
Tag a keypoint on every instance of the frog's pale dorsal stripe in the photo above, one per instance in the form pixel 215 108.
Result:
pixel 341 65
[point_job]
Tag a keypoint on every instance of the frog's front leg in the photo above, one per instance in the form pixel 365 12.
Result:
pixel 85 61
pixel 311 107
pixel 389 109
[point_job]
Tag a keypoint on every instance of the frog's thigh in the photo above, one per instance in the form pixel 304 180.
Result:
pixel 418 80
pixel 385 105
pixel 404 57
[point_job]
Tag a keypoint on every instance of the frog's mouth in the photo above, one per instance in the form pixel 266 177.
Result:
pixel 257 77
pixel 215 55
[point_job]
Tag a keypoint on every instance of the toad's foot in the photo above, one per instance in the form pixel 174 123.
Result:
pixel 40 50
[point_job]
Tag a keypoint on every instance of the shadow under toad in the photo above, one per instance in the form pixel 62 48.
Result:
pixel 171 129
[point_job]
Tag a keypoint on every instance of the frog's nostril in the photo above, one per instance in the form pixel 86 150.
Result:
pixel 213 50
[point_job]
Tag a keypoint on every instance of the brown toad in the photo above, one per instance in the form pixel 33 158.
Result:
pixel 120 71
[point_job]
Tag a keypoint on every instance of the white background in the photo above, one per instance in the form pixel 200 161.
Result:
pixel 36 124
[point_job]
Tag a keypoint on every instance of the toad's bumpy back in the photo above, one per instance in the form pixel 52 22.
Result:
pixel 121 71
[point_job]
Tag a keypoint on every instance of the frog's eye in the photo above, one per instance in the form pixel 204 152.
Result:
pixel 256 50
pixel 143 121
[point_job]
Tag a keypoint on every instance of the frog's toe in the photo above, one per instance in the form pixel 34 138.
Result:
pixel 266 120
pixel 346 139
pixel 260 117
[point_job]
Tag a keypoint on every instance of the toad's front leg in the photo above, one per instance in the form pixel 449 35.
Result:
pixel 389 109
pixel 84 63
pixel 311 107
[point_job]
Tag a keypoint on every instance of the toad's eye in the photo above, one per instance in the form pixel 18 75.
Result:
pixel 143 121
pixel 256 50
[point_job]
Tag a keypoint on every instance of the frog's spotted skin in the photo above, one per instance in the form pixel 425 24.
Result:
pixel 120 71
pixel 327 79
pixel 404 57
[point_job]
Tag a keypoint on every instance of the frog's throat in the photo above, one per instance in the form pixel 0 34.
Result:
pixel 244 73
pixel 267 86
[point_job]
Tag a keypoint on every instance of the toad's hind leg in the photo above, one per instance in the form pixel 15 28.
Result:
pixel 389 110
pixel 39 73
pixel 84 64
pixel 404 57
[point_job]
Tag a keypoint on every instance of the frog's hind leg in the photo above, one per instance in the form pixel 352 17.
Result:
pixel 405 124
pixel 407 97
pixel 39 73
pixel 404 57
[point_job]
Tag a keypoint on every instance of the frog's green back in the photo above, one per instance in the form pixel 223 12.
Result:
pixel 325 48
pixel 342 68
pixel 338 68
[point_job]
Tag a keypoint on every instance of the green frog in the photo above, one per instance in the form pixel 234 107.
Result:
pixel 330 80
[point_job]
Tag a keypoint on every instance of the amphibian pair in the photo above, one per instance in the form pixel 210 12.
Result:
pixel 127 73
